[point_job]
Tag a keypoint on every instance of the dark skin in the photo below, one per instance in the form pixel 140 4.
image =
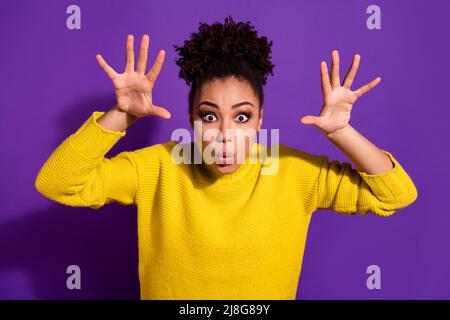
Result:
pixel 227 104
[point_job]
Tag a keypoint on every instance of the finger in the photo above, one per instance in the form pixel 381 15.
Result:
pixel 109 71
pixel 152 75
pixel 143 54
pixel 335 82
pixel 130 54
pixel 326 86
pixel 161 112
pixel 348 80
pixel 310 120
pixel 359 92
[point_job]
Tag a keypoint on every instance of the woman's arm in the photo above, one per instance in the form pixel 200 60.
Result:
pixel 77 172
pixel 379 183
pixel 364 154
pixel 116 120
pixel 347 190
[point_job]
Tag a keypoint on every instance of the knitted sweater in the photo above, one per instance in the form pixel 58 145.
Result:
pixel 205 235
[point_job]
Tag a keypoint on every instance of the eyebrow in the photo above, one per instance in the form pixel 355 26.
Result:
pixel 232 107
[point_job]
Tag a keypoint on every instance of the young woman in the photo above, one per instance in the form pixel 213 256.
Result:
pixel 223 230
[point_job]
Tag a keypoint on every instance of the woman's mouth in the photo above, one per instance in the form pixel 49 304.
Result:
pixel 225 158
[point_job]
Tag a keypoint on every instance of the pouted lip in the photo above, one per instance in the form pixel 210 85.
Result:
pixel 226 155
pixel 225 158
pixel 223 151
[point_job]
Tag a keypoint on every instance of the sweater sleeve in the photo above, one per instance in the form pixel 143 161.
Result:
pixel 351 191
pixel 78 174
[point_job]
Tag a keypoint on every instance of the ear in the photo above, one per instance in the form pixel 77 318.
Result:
pixel 260 119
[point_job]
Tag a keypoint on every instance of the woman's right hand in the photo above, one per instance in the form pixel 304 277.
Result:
pixel 133 89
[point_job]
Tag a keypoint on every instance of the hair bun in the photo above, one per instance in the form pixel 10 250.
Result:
pixel 220 44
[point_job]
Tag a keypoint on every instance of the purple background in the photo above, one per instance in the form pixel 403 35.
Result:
pixel 51 83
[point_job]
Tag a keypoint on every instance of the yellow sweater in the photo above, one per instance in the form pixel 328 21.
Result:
pixel 207 236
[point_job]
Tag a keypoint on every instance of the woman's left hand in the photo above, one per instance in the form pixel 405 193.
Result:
pixel 338 100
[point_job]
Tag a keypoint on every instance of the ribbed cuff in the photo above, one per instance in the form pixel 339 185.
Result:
pixel 393 183
pixel 92 140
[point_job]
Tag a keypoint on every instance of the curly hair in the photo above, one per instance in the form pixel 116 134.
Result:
pixel 222 50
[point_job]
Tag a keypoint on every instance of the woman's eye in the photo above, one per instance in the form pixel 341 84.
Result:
pixel 208 117
pixel 242 117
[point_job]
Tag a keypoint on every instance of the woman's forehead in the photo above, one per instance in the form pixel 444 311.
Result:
pixel 226 92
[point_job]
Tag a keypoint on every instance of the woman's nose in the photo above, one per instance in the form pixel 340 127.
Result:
pixel 225 132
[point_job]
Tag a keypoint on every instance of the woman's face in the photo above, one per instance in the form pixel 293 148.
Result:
pixel 222 107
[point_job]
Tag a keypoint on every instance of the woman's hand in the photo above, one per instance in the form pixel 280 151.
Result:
pixel 338 100
pixel 133 89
